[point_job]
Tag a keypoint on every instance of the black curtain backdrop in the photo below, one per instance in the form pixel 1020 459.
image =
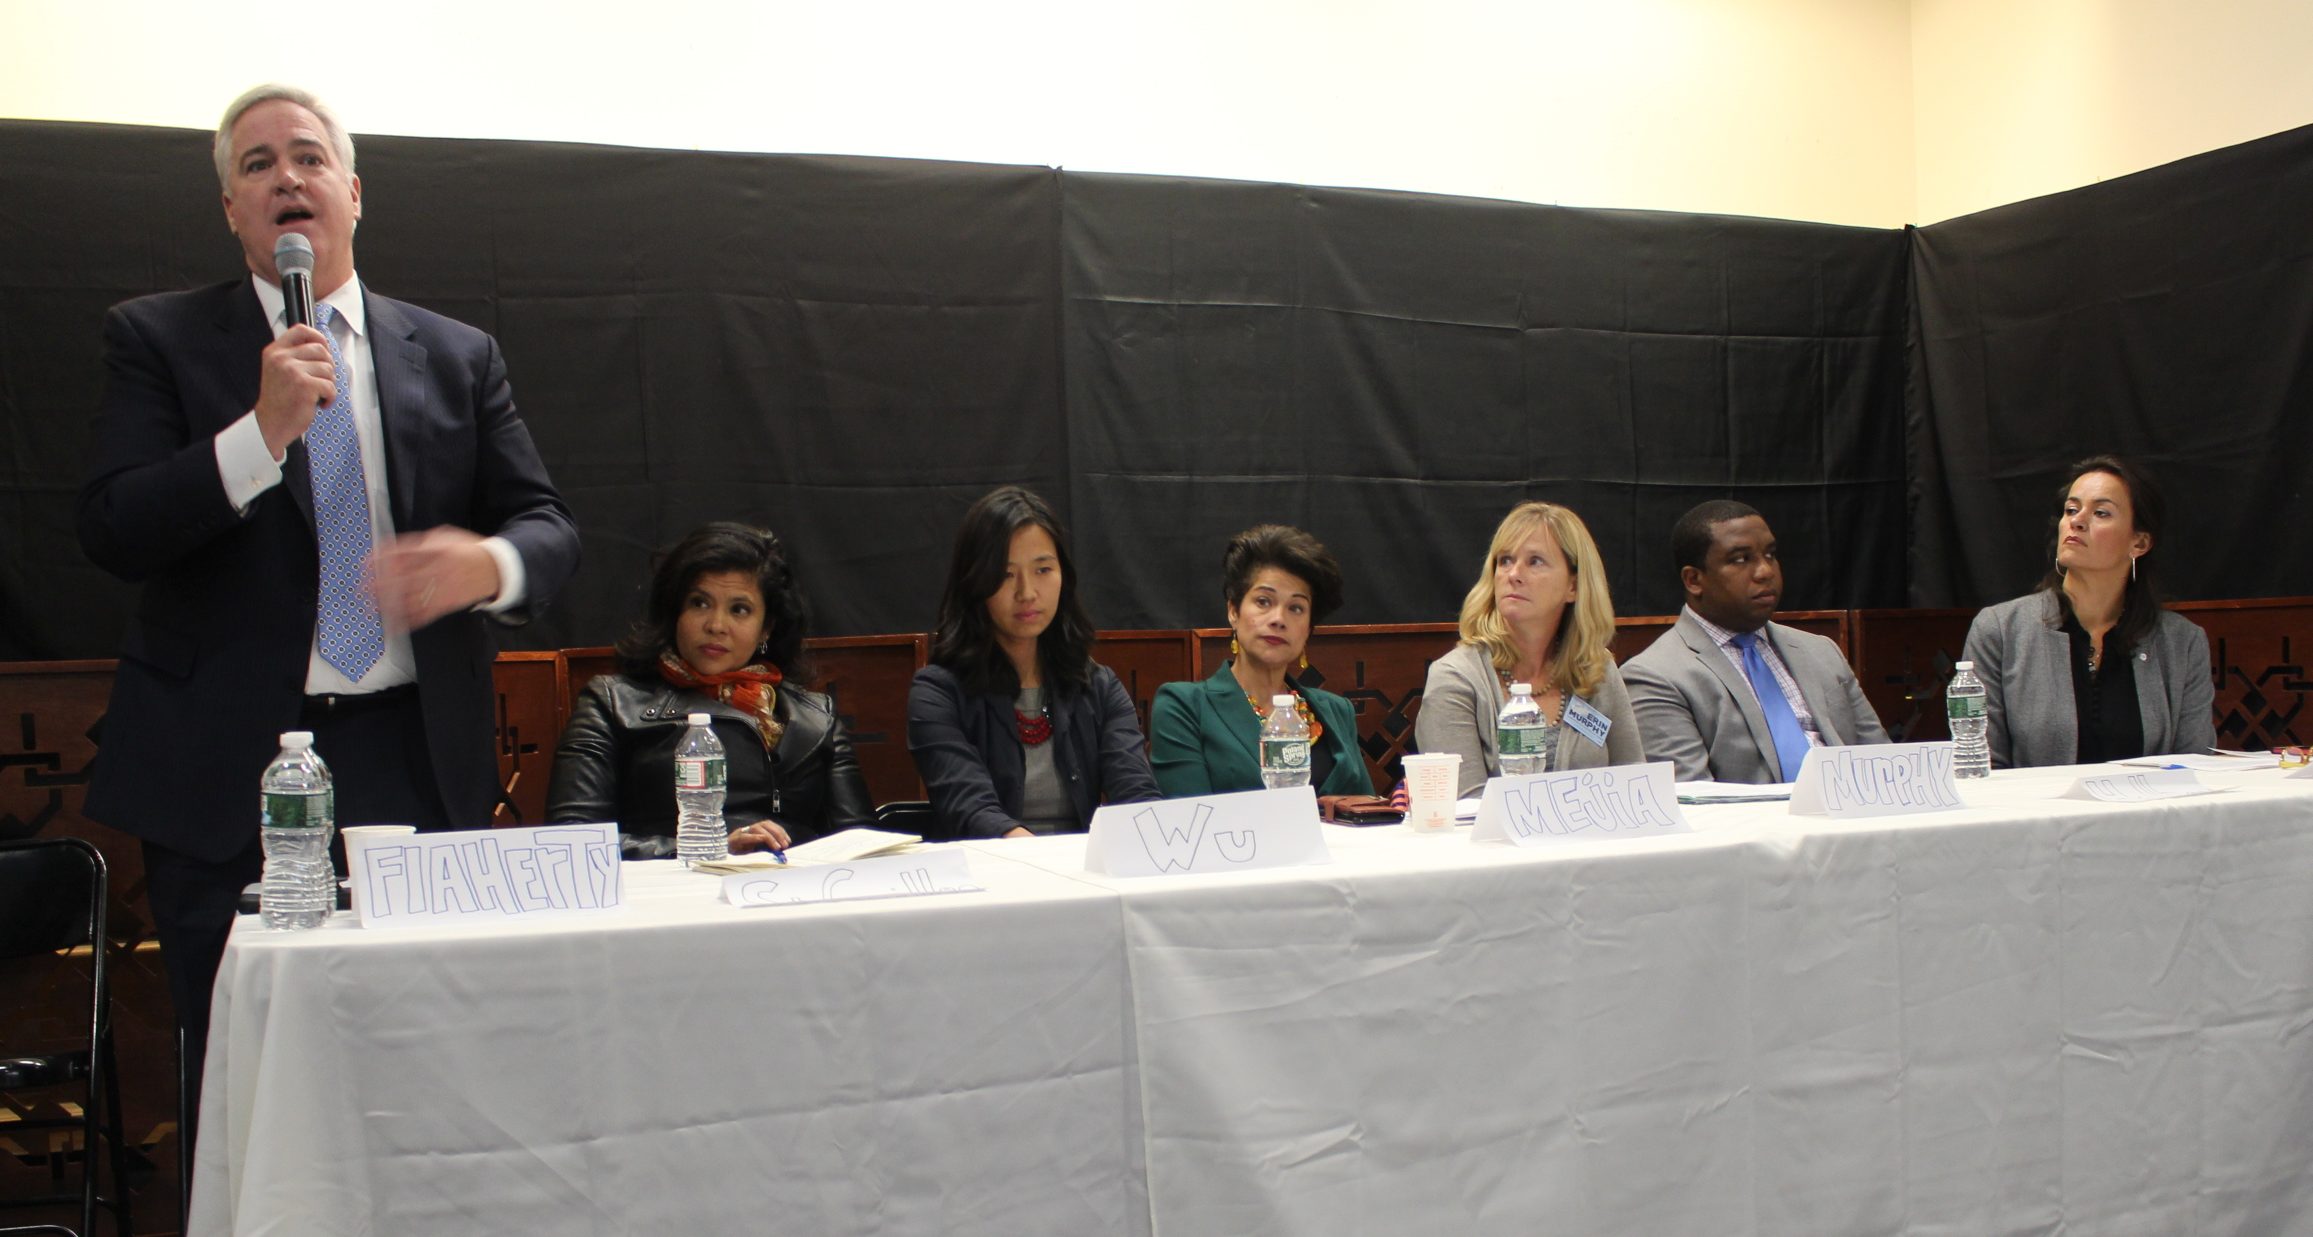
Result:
pixel 1394 371
pixel 849 350
pixel 2165 316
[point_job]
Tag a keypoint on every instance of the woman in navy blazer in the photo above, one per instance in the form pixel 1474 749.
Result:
pixel 1206 737
pixel 1015 729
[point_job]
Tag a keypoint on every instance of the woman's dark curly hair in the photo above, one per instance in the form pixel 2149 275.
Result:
pixel 1287 549
pixel 711 549
pixel 965 642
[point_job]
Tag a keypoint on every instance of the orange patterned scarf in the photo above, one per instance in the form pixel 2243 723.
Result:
pixel 753 687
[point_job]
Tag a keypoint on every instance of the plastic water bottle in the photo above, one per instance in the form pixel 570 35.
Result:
pixel 1964 709
pixel 1523 737
pixel 299 807
pixel 1284 744
pixel 700 777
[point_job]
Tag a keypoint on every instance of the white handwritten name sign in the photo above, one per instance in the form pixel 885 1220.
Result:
pixel 418 879
pixel 1580 805
pixel 1210 833
pixel 932 870
pixel 2138 786
pixel 1876 779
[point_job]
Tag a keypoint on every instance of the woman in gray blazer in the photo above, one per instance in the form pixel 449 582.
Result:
pixel 2090 668
pixel 1540 613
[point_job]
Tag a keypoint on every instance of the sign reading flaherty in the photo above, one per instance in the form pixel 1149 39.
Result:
pixel 459 877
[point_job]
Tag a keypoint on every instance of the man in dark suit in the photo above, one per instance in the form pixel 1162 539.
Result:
pixel 1725 694
pixel 324 519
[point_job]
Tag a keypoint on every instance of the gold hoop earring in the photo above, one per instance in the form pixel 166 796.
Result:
pixel 1234 651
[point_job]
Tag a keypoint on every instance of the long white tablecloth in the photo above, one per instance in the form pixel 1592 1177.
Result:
pixel 951 1064
pixel 2034 1016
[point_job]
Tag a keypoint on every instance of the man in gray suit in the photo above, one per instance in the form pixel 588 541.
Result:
pixel 1726 695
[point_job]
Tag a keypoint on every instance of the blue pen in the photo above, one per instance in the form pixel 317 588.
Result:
pixel 778 854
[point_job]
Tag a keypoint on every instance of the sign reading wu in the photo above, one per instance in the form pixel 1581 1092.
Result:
pixel 1209 833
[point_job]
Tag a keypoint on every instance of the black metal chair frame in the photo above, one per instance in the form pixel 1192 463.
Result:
pixel 912 816
pixel 39 915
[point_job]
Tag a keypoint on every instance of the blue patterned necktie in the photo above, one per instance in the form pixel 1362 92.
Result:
pixel 349 633
pixel 1782 723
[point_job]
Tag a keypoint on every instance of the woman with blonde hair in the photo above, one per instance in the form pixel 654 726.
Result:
pixel 1540 614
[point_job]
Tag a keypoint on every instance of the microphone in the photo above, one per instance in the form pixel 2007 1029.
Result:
pixel 293 259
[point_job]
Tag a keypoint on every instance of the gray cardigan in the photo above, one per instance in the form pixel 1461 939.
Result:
pixel 1464 695
pixel 2025 660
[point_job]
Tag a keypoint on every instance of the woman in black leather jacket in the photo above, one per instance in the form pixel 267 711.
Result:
pixel 724 629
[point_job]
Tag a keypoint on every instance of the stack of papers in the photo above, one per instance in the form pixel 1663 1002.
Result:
pixel 1732 792
pixel 839 847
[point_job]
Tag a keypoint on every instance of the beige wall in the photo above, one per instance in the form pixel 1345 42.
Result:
pixel 1870 112
pixel 1768 107
pixel 2017 98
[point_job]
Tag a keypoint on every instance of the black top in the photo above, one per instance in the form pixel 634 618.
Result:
pixel 2104 700
pixel 968 749
pixel 617 762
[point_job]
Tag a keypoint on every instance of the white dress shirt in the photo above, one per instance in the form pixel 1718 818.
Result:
pixel 248 470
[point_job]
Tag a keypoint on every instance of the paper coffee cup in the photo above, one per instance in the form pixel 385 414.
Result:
pixel 1430 782
pixel 353 832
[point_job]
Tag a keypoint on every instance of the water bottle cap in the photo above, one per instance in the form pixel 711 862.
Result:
pixel 1282 700
pixel 1963 665
pixel 1521 689
pixel 701 719
pixel 297 739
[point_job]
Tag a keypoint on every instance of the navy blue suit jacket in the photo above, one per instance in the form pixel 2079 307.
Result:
pixel 214 661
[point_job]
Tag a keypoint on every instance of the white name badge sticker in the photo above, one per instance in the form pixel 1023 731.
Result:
pixel 421 879
pixel 2138 786
pixel 1210 833
pixel 912 875
pixel 1579 805
pixel 1876 779
pixel 1587 720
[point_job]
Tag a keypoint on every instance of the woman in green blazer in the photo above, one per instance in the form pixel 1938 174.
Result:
pixel 1205 738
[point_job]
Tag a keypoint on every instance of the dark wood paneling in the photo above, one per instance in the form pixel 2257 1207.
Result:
pixel 45 752
pixel 1903 658
pixel 868 677
pixel 2258 651
pixel 533 704
pixel 1145 661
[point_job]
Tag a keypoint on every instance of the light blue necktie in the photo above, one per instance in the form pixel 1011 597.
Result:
pixel 350 634
pixel 1782 723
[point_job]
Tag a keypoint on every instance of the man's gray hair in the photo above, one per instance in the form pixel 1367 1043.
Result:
pixel 339 139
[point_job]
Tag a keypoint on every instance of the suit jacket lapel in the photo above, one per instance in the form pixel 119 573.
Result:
pixel 241 319
pixel 1738 687
pixel 1806 680
pixel 400 361
pixel 1224 696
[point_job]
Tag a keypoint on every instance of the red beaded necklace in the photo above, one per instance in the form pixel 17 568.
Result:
pixel 1035 727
